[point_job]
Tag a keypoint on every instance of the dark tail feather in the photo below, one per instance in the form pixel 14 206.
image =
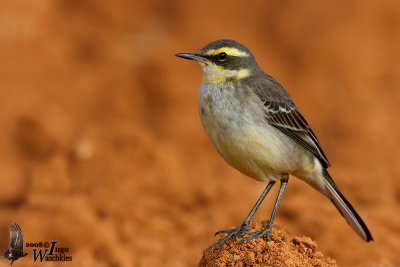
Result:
pixel 346 210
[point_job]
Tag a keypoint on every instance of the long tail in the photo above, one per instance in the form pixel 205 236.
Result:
pixel 345 209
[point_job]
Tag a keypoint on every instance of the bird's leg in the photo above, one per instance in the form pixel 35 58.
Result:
pixel 244 227
pixel 266 231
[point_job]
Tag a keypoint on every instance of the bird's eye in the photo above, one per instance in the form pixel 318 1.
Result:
pixel 222 56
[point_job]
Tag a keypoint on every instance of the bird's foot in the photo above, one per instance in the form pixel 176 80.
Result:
pixel 241 230
pixel 258 234
pixel 231 233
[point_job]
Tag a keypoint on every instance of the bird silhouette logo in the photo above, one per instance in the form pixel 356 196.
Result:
pixel 16 244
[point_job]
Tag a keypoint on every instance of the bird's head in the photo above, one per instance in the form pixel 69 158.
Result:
pixel 223 61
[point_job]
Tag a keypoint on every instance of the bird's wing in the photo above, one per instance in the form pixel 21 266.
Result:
pixel 287 118
pixel 16 239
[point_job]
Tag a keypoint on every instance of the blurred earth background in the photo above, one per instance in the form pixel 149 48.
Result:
pixel 101 145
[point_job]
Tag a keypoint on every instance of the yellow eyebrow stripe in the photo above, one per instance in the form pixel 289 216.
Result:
pixel 229 50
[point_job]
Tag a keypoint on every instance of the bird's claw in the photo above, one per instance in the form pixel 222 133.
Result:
pixel 257 234
pixel 238 230
pixel 241 231
pixel 231 233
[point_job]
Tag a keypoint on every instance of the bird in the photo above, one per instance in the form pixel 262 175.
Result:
pixel 257 129
pixel 16 244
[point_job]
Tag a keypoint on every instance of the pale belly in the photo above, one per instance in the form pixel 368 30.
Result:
pixel 248 143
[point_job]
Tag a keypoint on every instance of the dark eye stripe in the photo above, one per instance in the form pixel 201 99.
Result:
pixel 215 58
pixel 230 62
pixel 211 57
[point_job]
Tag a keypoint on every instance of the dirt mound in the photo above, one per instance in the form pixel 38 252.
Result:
pixel 284 249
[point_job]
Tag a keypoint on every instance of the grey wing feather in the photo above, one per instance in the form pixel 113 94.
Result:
pixel 281 112
pixel 16 238
pixel 288 119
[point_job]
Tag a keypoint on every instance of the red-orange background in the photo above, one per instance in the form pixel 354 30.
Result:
pixel 101 146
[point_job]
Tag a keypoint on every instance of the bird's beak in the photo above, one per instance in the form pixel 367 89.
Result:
pixel 191 56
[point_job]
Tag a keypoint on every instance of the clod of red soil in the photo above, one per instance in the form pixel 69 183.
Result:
pixel 284 249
